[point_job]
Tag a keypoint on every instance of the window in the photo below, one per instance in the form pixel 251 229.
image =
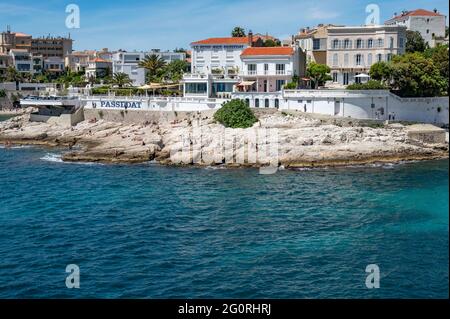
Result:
pixel 256 102
pixel 277 103
pixel 347 44
pixel 280 84
pixel 428 31
pixel 266 102
pixel 346 59
pixel 379 57
pixel 391 42
pixel 335 44
pixel 380 43
pixel 370 43
pixel 335 59
pixel 335 77
pixel 401 42
pixel 316 44
pixel 389 56
pixel 266 68
pixel 359 44
pixel 251 69
pixel 247 101
pixel 358 59
pixel 196 88
pixel 369 59
pixel 280 68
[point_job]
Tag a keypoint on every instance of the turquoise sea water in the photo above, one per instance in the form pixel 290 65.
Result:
pixel 146 231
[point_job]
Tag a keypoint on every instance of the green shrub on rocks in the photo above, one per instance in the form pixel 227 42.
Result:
pixel 235 114
pixel 369 85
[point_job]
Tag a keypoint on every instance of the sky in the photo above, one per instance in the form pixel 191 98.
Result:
pixel 169 24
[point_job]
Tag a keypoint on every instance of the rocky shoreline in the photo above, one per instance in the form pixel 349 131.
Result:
pixel 302 142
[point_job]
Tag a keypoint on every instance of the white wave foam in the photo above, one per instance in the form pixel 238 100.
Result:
pixel 51 157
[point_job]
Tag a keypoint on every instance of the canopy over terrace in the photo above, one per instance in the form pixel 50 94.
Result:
pixel 245 85
pixel 157 86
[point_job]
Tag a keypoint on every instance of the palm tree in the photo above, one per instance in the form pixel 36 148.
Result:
pixel 238 32
pixel 153 64
pixel 12 75
pixel 121 80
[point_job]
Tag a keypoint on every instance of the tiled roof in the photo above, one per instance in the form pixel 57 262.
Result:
pixel 268 51
pixel 99 60
pixel 230 40
pixel 20 34
pixel 418 12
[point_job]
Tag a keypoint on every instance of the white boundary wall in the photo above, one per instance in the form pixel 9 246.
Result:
pixel 370 104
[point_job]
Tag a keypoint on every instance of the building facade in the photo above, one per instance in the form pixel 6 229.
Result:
pixel 98 68
pixel 314 43
pixel 268 69
pixel 430 24
pixel 216 64
pixel 22 60
pixel 352 50
pixel 128 63
pixel 50 47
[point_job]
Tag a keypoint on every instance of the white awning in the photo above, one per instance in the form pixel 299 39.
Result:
pixel 362 75
pixel 246 83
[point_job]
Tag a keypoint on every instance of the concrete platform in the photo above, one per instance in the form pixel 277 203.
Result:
pixel 427 133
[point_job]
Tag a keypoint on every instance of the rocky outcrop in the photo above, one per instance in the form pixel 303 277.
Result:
pixel 277 139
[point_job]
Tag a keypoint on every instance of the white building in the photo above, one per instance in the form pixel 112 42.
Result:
pixel 54 65
pixel 168 56
pixel 98 67
pixel 268 69
pixel 216 64
pixel 22 60
pixel 430 24
pixel 128 63
pixel 353 50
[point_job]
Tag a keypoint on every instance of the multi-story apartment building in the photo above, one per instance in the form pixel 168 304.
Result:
pixel 22 60
pixel 45 46
pixel 54 65
pixel 216 64
pixel 50 47
pixel 98 68
pixel 128 63
pixel 430 24
pixel 268 69
pixel 313 42
pixel 79 60
pixel 168 56
pixel 353 50
pixel 38 63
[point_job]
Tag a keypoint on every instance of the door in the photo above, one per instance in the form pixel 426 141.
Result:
pixel 345 79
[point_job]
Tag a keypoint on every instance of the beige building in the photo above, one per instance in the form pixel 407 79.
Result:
pixel 313 42
pixel 45 46
pixel 352 50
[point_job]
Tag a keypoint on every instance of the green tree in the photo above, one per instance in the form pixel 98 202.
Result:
pixel 235 114
pixel 238 32
pixel 121 79
pixel 381 71
pixel 12 75
pixel 414 42
pixel 414 75
pixel 154 66
pixel 319 73
pixel 174 71
pixel 272 43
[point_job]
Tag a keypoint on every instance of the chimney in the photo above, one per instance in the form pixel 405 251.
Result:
pixel 395 14
pixel 250 38
pixel 435 10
